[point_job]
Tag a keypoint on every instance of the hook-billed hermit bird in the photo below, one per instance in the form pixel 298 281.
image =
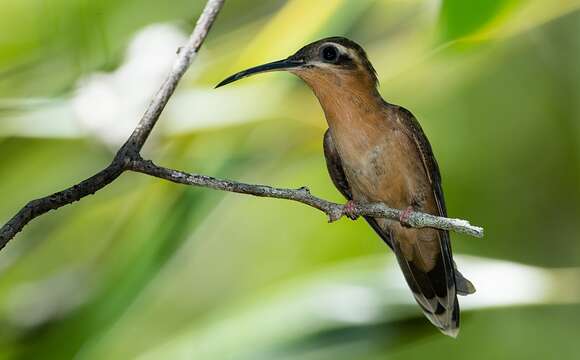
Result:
pixel 377 152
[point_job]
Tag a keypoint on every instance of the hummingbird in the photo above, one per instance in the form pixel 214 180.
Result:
pixel 377 152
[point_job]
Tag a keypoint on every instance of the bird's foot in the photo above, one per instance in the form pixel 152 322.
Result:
pixel 349 209
pixel 405 216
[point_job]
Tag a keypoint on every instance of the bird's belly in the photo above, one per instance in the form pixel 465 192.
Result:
pixel 383 173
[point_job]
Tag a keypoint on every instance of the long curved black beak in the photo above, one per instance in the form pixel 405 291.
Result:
pixel 279 65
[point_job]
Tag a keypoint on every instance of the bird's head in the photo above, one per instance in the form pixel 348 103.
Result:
pixel 324 64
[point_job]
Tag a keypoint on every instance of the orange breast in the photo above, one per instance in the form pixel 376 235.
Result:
pixel 381 162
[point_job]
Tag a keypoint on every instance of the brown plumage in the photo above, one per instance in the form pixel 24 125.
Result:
pixel 377 152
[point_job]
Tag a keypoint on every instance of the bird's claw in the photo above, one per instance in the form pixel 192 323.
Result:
pixel 350 210
pixel 405 216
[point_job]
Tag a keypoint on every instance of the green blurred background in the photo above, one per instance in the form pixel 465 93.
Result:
pixel 155 270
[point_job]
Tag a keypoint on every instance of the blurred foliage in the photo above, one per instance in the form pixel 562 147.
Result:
pixel 147 268
pixel 460 18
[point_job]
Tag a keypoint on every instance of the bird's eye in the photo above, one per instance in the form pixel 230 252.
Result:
pixel 330 53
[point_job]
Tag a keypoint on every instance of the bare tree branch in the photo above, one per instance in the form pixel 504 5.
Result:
pixel 130 150
pixel 128 158
pixel 334 211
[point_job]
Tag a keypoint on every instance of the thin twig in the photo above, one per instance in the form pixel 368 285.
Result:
pixel 128 158
pixel 334 211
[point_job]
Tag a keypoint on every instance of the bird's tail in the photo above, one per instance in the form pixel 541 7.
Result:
pixel 425 258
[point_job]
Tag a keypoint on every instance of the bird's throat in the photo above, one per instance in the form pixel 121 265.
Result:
pixel 354 111
pixel 350 100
